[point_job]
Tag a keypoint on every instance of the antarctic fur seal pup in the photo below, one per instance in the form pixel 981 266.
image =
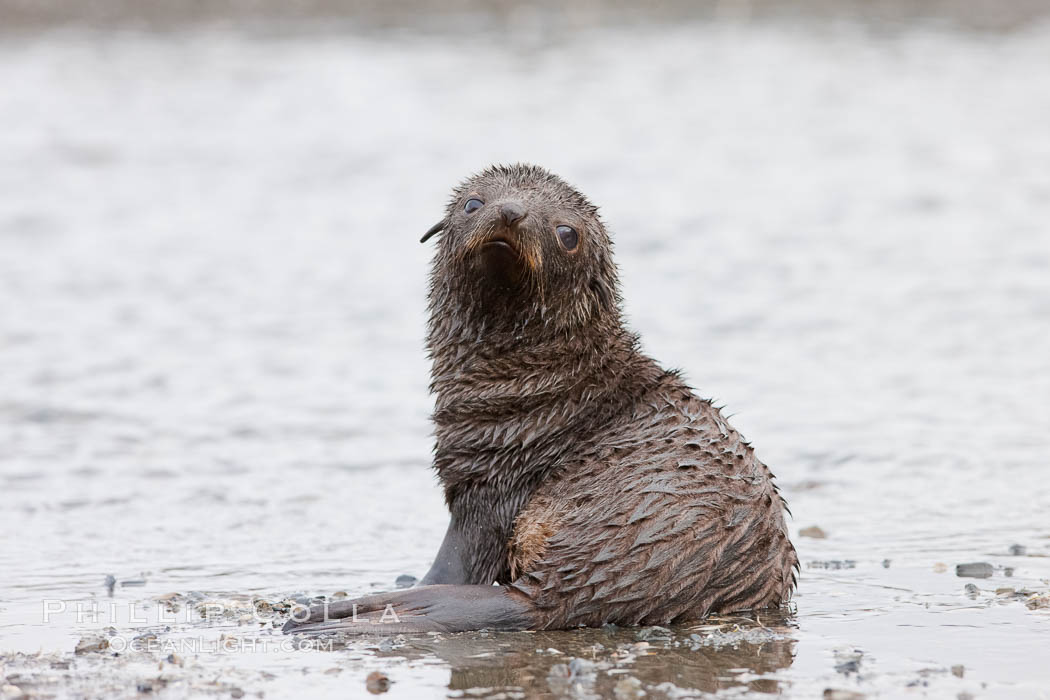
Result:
pixel 588 482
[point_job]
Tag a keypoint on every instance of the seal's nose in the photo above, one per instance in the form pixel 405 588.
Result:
pixel 511 213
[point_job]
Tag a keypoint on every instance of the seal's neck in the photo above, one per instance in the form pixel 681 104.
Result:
pixel 510 401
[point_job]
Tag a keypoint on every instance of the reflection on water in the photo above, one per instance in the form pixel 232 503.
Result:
pixel 602 663
pixel 212 380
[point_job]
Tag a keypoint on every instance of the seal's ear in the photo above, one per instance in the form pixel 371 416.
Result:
pixel 439 226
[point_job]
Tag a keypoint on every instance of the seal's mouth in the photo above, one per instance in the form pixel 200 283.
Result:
pixel 502 242
pixel 504 258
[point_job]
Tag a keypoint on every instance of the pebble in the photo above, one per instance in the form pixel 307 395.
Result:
pixel 237 693
pixel 581 667
pixel 848 661
pixel 628 688
pixel 405 581
pixel 377 682
pixel 814 532
pixel 89 644
pixel 958 670
pixel 974 570
pixel 574 679
pixel 654 634
pixel 940 567
pixel 283 606
pixel 971 591
pixel 832 564
pixel 170 601
pixel 848 667
pixel 836 694
pixel 1017 550
pixel 133 583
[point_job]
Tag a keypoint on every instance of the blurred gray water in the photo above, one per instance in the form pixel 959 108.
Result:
pixel 212 309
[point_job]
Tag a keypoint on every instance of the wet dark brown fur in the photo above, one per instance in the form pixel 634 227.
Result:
pixel 586 480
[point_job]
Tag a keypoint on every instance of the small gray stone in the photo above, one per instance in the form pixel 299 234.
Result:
pixel 832 564
pixel 579 668
pixel 405 581
pixel 974 570
pixel 654 634
pixel 848 667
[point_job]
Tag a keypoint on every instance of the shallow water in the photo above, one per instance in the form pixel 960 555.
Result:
pixel 212 307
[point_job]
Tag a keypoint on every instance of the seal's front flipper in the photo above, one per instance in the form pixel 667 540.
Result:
pixel 448 565
pixel 423 609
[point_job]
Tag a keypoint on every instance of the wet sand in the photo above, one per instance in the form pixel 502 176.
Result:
pixel 213 387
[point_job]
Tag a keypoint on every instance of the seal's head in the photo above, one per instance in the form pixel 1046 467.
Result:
pixel 522 247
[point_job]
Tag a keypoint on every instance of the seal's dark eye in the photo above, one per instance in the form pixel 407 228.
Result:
pixel 472 205
pixel 568 237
